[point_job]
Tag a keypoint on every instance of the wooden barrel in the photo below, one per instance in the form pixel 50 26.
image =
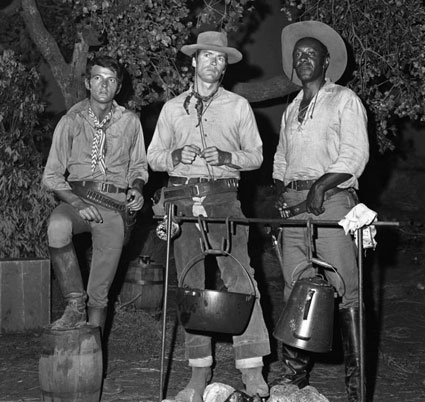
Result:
pixel 143 285
pixel 70 366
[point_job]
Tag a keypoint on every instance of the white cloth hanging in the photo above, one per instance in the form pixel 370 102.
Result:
pixel 361 217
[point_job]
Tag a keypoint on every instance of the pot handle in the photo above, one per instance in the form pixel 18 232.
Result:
pixel 201 257
pixel 323 264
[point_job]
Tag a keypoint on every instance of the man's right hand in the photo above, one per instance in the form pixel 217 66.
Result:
pixel 185 155
pixel 88 212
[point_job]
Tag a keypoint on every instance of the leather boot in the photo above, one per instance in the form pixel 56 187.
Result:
pixel 350 333
pixel 67 271
pixel 296 367
pixel 97 317
pixel 194 391
pixel 254 381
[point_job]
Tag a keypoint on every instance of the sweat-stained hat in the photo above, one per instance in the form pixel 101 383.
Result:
pixel 292 33
pixel 212 40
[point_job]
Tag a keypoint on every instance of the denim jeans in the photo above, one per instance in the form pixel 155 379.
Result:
pixel 331 245
pixel 107 241
pixel 254 342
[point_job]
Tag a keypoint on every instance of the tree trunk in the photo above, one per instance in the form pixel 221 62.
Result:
pixel 68 76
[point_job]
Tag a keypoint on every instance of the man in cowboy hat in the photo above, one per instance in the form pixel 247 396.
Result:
pixel 97 168
pixel 322 151
pixel 204 138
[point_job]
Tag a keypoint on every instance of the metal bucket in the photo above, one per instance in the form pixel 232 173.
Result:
pixel 211 310
pixel 306 322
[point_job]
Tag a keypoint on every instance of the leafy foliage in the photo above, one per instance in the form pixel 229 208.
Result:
pixel 146 36
pixel 25 204
pixel 387 41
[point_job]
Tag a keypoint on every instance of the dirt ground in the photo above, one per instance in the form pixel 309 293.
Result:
pixel 395 303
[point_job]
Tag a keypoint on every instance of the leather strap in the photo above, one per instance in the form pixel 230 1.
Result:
pixel 98 186
pixel 179 180
pixel 200 189
pixel 300 185
pixel 97 197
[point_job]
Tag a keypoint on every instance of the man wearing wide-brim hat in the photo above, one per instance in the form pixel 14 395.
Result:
pixel 203 139
pixel 322 151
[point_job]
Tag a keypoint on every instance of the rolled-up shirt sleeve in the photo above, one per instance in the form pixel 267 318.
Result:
pixel 354 145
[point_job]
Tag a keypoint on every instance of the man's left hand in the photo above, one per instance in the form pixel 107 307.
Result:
pixel 136 198
pixel 216 157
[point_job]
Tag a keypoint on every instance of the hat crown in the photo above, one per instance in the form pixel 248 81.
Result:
pixel 212 38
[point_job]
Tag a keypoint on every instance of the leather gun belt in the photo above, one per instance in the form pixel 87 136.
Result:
pixel 96 197
pixel 200 189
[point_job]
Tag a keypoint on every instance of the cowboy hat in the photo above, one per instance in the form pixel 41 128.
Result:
pixel 212 40
pixel 292 33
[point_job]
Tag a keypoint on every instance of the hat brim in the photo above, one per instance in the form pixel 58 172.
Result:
pixel 292 33
pixel 233 55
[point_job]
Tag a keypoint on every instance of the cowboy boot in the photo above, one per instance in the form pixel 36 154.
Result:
pixel 296 367
pixel 97 317
pixel 67 271
pixel 254 381
pixel 195 388
pixel 350 332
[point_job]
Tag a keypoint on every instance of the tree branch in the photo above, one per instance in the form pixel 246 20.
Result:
pixel 275 87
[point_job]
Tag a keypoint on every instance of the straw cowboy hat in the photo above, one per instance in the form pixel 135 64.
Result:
pixel 212 40
pixel 292 33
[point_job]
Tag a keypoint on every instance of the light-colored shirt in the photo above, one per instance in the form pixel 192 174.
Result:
pixel 331 139
pixel 228 123
pixel 125 157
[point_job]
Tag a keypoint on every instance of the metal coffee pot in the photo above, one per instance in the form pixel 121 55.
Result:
pixel 306 322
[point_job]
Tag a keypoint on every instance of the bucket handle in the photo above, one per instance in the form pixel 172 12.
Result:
pixel 200 257
pixel 323 264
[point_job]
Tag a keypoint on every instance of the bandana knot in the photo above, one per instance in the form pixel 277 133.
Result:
pixel 199 105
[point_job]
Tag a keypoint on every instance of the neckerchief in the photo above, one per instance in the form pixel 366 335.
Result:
pixel 99 141
pixel 199 105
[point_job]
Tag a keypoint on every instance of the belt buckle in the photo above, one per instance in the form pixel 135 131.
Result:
pixel 103 187
pixel 195 190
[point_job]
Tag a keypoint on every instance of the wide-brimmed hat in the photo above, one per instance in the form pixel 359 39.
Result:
pixel 292 33
pixel 212 40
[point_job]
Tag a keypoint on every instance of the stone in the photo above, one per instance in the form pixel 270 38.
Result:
pixel 291 393
pixel 307 394
pixel 217 392
pixel 282 392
